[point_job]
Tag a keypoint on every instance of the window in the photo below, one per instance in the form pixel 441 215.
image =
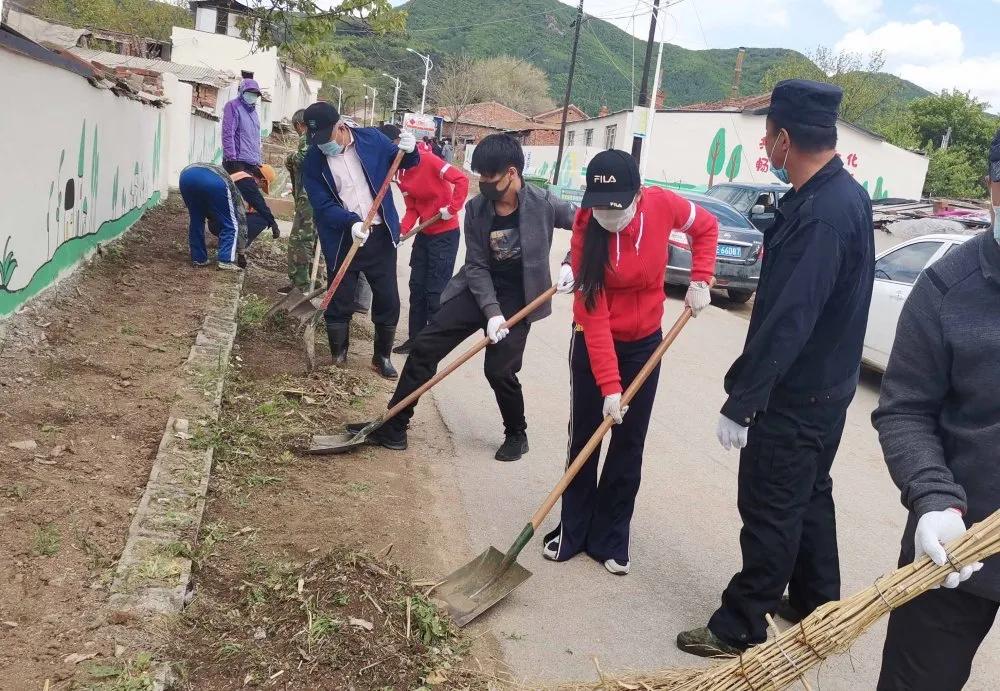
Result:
pixel 906 263
pixel 588 137
pixel 725 214
pixel 570 138
pixel 609 136
pixel 221 21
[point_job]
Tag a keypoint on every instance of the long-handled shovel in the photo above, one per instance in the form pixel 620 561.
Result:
pixel 355 246
pixel 342 443
pixel 480 584
pixel 309 324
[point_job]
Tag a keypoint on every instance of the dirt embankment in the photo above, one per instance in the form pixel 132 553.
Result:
pixel 87 375
pixel 295 582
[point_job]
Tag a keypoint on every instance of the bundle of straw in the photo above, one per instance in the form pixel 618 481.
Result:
pixel 830 630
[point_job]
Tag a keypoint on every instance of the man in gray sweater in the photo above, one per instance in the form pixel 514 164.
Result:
pixel 939 425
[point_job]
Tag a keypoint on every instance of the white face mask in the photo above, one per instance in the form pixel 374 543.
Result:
pixel 615 220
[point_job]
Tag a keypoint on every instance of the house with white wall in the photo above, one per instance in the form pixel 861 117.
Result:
pixel 217 42
pixel 703 144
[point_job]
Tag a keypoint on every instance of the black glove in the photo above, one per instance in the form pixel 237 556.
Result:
pixel 275 231
pixel 241 260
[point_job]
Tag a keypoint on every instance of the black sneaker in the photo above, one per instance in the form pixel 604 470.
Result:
pixel 550 548
pixel 404 348
pixel 514 446
pixel 789 613
pixel 703 643
pixel 388 437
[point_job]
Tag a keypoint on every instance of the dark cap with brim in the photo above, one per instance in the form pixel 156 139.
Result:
pixel 806 102
pixel 320 119
pixel 613 180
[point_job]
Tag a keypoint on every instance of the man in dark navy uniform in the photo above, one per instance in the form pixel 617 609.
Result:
pixel 790 389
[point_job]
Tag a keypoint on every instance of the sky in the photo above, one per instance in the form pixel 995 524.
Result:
pixel 938 44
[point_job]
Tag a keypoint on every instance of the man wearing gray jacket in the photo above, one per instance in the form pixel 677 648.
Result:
pixel 939 425
pixel 508 236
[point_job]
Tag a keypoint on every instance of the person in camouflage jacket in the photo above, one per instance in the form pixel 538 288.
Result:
pixel 302 242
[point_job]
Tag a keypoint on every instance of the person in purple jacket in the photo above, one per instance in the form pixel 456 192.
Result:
pixel 241 149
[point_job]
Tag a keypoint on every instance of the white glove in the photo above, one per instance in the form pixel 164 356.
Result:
pixel 613 407
pixel 495 330
pixel 565 283
pixel 698 297
pixel 445 214
pixel 933 530
pixel 360 233
pixel 407 142
pixel 731 434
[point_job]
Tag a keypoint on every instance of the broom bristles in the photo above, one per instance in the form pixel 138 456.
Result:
pixel 830 630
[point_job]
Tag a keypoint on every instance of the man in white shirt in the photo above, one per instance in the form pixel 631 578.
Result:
pixel 342 171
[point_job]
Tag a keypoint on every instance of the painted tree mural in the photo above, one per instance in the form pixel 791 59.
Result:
pixel 735 160
pixel 716 155
pixel 7 264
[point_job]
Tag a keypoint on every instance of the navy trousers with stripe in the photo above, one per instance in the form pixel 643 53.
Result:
pixel 597 513
pixel 207 196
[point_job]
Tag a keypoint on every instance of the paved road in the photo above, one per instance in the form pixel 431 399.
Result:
pixel 685 530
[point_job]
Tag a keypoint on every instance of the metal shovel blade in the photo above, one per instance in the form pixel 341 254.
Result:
pixel 480 584
pixel 341 443
pixel 294 297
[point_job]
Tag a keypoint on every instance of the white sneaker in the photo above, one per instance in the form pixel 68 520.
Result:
pixel 616 568
pixel 551 549
pixel 229 266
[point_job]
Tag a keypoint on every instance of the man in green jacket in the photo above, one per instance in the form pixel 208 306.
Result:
pixel 302 242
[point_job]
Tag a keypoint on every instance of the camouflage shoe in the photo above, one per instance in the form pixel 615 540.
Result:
pixel 703 643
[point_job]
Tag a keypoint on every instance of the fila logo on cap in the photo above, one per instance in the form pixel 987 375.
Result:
pixel 606 179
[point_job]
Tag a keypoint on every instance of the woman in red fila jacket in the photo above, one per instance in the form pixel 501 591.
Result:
pixel 429 188
pixel 619 257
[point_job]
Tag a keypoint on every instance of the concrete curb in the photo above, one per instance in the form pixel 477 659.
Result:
pixel 154 572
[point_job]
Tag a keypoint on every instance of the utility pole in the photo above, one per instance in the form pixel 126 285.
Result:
pixel 395 94
pixel 738 73
pixel 427 70
pixel 569 88
pixel 644 86
pixel 651 120
pixel 340 98
pixel 946 140
pixel 371 120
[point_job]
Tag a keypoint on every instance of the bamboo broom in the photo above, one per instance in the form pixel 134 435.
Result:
pixel 830 630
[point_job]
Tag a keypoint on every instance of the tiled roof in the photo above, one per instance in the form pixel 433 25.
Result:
pixel 734 105
pixel 185 73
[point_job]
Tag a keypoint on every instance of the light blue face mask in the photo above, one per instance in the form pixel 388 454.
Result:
pixel 779 172
pixel 330 148
pixel 250 98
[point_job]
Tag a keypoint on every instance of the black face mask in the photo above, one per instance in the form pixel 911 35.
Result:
pixel 492 191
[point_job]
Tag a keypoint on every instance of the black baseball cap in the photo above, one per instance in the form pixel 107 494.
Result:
pixel 612 180
pixel 320 118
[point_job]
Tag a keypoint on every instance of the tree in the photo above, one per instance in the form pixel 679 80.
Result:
pixel 138 18
pixel 866 88
pixel 716 155
pixel 735 161
pixel 971 126
pixel 458 86
pixel 515 83
pixel 951 173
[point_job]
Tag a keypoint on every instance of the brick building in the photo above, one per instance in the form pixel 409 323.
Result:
pixel 481 119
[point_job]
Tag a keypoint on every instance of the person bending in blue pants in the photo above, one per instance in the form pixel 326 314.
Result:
pixel 210 194
pixel 207 195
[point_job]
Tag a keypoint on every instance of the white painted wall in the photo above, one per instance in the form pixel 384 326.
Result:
pixel 678 151
pixel 204 140
pixel 178 123
pixel 539 161
pixel 110 150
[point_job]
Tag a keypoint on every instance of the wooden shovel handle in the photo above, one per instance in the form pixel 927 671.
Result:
pixel 464 357
pixel 426 224
pixel 598 436
pixel 314 271
pixel 355 246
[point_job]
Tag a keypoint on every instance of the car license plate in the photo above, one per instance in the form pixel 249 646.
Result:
pixel 734 251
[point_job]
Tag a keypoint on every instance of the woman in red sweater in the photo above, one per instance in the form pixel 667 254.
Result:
pixel 619 257
pixel 431 187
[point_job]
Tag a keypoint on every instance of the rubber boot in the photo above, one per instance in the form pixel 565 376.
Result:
pixel 381 362
pixel 339 335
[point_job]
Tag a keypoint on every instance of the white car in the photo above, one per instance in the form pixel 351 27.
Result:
pixel 896 270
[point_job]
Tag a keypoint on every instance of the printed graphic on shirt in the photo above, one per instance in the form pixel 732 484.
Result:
pixel 505 241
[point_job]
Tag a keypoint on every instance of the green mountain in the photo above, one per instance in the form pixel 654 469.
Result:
pixel 541 32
